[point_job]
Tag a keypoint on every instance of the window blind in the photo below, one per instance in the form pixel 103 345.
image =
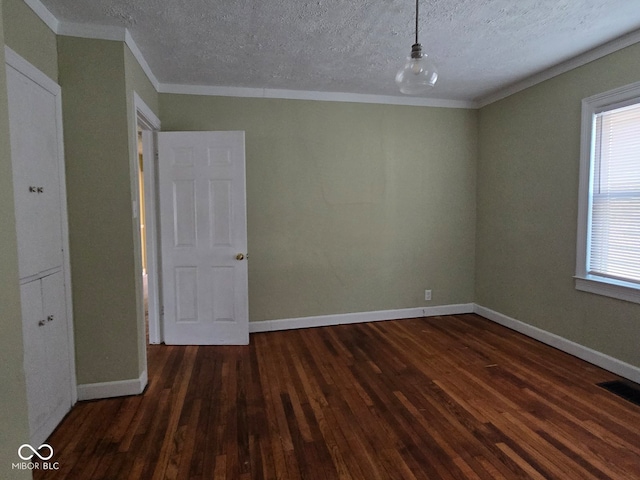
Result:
pixel 614 241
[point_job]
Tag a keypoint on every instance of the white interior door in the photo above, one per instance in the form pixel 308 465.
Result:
pixel 203 238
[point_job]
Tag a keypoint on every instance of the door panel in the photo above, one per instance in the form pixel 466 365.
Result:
pixel 46 353
pixel 220 201
pixel 186 294
pixel 184 217
pixel 35 361
pixel 223 286
pixel 57 346
pixel 203 229
pixel 34 154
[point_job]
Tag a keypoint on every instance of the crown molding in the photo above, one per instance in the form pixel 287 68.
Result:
pixel 109 32
pixel 104 32
pixel 310 95
pixel 575 62
pixel 133 46
pixel 45 15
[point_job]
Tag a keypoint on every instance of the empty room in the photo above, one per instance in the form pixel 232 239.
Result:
pixel 320 239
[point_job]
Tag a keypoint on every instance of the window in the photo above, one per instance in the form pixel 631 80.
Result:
pixel 608 253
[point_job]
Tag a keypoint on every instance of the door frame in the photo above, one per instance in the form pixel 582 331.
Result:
pixel 149 123
pixel 22 66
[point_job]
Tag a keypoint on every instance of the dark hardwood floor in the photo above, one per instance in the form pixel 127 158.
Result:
pixel 453 397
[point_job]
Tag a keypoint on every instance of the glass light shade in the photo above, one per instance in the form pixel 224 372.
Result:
pixel 418 75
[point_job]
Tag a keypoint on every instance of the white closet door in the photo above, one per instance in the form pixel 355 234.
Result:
pixel 35 360
pixel 56 349
pixel 35 123
pixel 36 182
pixel 46 350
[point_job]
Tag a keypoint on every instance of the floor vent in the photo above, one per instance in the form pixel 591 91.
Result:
pixel 628 390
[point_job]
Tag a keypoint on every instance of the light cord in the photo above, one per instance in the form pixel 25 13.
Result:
pixel 417 1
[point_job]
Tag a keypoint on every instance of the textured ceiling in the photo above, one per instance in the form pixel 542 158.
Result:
pixel 356 46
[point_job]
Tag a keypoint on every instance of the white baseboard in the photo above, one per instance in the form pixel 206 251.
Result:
pixel 361 317
pixel 600 359
pixel 119 388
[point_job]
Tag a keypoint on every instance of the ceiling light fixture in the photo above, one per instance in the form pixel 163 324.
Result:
pixel 419 74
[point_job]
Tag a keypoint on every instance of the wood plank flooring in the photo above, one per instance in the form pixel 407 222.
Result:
pixel 452 397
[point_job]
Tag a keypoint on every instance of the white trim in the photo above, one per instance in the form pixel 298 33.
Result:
pixel 105 32
pixel 220 91
pixel 119 388
pixel 584 186
pixel 45 15
pixel 361 317
pixel 144 113
pixel 151 218
pixel 575 62
pixel 14 60
pixel 53 420
pixel 18 63
pixel 608 287
pixel 149 123
pixel 109 32
pixel 585 282
pixel 133 46
pixel 599 359
pixel 612 97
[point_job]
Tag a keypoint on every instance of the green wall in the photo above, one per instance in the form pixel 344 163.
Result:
pixel 351 207
pixel 98 78
pixel 528 205
pixel 97 152
pixel 13 395
pixel 30 37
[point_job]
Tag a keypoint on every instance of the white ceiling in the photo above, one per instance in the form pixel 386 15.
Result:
pixel 356 46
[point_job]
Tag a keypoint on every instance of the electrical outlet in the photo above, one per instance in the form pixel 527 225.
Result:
pixel 427 294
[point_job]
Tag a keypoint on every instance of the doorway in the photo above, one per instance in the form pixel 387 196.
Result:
pixel 143 232
pixel 147 123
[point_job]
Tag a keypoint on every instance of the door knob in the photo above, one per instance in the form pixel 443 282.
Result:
pixel 240 256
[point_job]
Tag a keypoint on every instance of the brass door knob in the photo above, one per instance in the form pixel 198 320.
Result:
pixel 240 256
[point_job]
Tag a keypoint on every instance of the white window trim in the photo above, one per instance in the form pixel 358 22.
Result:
pixel 617 98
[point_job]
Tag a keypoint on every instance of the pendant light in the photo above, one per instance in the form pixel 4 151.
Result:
pixel 419 74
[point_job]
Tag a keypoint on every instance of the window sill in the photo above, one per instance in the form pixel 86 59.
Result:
pixel 608 287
